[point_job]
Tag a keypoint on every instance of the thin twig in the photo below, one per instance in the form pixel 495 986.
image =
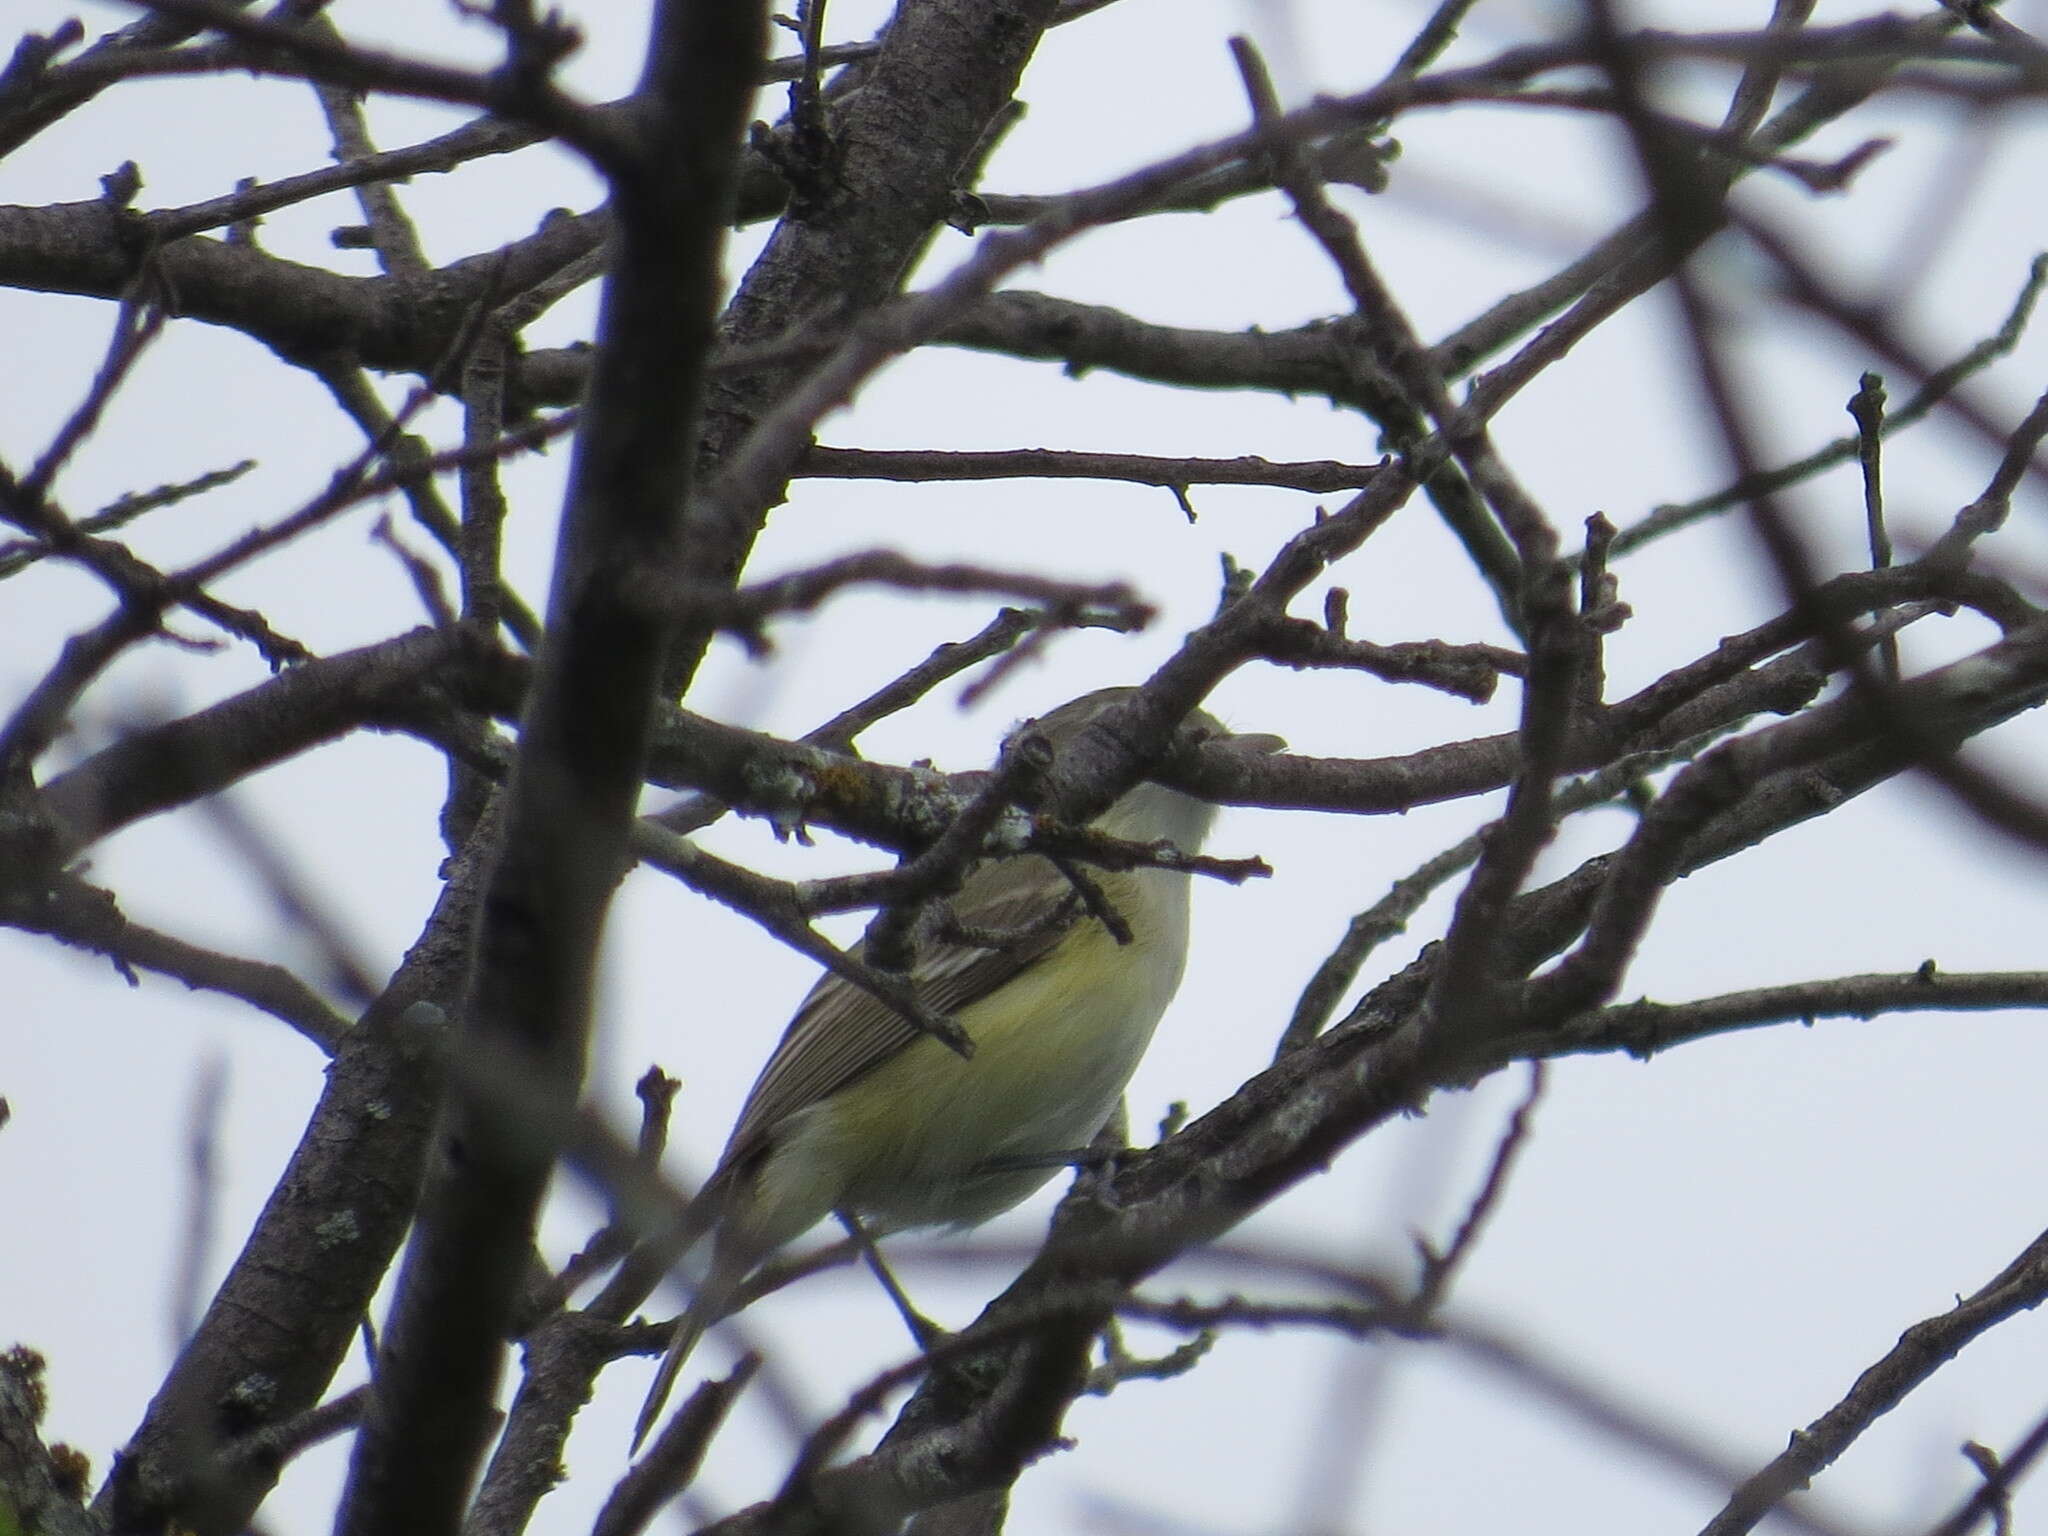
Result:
pixel 1440 1266
pixel 1316 475
pixel 672 1461
pixel 1866 409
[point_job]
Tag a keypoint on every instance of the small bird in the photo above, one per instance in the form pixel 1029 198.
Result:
pixel 860 1114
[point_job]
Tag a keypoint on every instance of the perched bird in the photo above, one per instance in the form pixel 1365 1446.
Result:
pixel 860 1114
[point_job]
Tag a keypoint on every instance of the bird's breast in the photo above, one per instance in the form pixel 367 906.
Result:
pixel 1054 1048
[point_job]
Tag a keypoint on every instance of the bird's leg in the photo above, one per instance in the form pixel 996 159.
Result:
pixel 923 1329
pixel 1071 1157
pixel 1110 1143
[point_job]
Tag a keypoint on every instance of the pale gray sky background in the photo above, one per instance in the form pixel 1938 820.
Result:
pixel 1725 1236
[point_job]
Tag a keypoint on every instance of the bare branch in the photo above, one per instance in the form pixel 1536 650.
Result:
pixel 672 1461
pixel 1322 475
pixel 1921 1351
pixel 570 802
pixel 746 610
pixel 1644 1028
pixel 75 913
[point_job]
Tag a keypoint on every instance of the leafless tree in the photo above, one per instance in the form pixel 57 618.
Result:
pixel 456 1083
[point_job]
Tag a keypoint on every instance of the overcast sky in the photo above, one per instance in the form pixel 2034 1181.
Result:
pixel 1725 1236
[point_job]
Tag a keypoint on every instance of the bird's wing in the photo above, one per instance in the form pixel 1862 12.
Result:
pixel 841 1033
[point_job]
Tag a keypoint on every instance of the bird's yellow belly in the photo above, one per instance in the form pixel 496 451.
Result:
pixel 1049 1068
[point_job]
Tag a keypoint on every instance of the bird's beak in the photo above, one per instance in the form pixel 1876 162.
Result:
pixel 1257 741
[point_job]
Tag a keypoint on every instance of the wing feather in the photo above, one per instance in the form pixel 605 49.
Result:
pixel 841 1033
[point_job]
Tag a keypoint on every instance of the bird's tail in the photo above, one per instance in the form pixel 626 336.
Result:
pixel 705 1308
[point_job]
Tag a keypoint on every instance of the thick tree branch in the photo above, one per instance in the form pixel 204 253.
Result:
pixel 577 774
